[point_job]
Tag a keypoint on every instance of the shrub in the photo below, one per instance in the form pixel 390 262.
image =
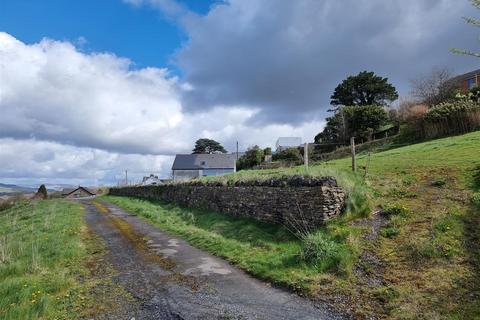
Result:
pixel 447 118
pixel 290 154
pixel 325 254
pixel 251 158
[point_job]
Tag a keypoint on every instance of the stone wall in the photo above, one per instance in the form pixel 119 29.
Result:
pixel 296 203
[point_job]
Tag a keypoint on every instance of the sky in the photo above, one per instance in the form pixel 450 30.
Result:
pixel 89 89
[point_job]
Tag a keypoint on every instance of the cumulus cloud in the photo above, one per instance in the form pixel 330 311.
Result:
pixel 51 91
pixel 29 162
pixel 286 57
pixel 66 114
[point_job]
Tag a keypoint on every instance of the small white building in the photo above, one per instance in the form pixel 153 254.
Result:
pixel 284 143
pixel 151 180
pixel 189 166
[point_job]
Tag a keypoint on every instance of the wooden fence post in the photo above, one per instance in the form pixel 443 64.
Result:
pixel 305 155
pixel 354 161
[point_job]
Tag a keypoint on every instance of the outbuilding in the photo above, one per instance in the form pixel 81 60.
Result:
pixel 77 193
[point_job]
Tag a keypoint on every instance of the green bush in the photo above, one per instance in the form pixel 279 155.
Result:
pixel 253 157
pixel 290 154
pixel 447 110
pixel 325 254
pixel 450 118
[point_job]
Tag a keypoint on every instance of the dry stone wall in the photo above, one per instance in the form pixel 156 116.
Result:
pixel 293 202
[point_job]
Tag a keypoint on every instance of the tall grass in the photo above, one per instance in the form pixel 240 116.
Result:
pixel 40 257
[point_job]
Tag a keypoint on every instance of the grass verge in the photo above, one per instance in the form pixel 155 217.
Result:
pixel 267 251
pixel 49 265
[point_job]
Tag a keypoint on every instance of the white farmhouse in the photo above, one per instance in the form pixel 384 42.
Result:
pixel 189 166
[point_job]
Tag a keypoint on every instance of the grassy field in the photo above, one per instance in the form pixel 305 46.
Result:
pixel 47 263
pixel 419 259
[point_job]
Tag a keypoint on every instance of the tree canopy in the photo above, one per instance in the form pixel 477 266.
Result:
pixel 208 146
pixel 364 89
pixel 360 122
pixel 253 156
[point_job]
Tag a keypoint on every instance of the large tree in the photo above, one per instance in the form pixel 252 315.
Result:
pixel 360 122
pixel 364 89
pixel 208 146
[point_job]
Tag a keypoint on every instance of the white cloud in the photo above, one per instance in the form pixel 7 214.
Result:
pixel 286 57
pixel 30 162
pixel 85 117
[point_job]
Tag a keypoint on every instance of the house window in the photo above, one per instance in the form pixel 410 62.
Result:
pixel 471 83
pixel 203 163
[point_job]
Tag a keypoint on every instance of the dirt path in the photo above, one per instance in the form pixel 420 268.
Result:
pixel 169 279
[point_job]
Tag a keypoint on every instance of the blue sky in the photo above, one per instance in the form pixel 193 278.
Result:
pixel 142 34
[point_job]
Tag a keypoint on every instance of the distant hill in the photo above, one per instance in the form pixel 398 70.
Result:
pixel 8 189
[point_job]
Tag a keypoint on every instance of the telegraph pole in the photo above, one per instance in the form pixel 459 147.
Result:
pixel 126 177
pixel 237 150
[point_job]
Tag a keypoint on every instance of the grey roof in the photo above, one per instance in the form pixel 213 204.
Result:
pixel 289 141
pixel 68 191
pixel 204 161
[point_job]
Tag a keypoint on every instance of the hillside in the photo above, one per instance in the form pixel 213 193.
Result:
pixel 407 248
pixel 425 256
pixel 7 189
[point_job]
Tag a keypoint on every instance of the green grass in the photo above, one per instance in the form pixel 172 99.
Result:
pixel 48 266
pixel 430 244
pixel 266 251
pixel 40 254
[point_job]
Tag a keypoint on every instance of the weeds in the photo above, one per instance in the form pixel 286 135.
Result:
pixel 390 232
pixel 476 199
pixel 324 254
pixel 476 177
pixel 392 210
